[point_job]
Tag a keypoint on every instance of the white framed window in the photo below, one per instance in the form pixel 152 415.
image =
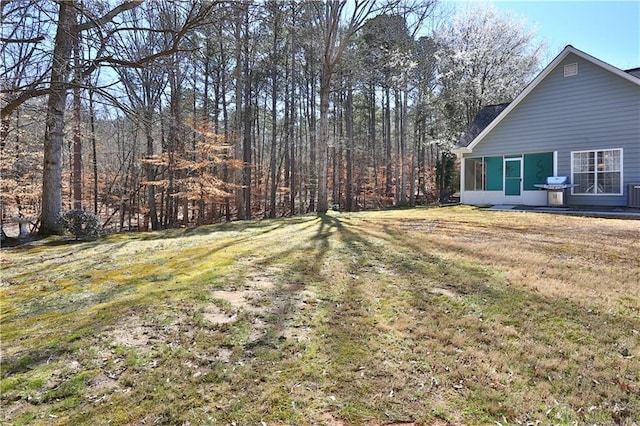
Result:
pixel 597 172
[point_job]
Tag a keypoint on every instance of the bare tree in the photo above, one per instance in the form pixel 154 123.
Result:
pixel 73 19
pixel 337 25
pixel 54 131
pixel 144 87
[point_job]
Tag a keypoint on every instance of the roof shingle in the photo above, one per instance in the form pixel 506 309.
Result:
pixel 486 115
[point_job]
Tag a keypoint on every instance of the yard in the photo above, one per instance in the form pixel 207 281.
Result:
pixel 424 316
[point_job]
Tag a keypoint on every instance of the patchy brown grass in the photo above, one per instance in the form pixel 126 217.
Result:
pixel 422 316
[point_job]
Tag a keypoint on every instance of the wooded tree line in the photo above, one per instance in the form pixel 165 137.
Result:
pixel 156 114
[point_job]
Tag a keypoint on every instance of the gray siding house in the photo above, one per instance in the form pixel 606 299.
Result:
pixel 580 118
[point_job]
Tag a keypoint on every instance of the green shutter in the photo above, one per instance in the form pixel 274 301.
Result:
pixel 536 169
pixel 494 173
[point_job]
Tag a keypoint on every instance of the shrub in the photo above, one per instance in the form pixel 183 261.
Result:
pixel 81 224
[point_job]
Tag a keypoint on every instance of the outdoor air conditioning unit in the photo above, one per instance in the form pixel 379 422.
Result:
pixel 634 195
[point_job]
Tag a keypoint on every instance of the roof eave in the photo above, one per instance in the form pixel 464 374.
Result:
pixel 460 151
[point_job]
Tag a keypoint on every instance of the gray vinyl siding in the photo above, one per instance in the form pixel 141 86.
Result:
pixel 593 110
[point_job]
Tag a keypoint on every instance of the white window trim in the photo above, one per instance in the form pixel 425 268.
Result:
pixel 606 194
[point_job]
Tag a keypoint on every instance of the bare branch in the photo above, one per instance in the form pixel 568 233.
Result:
pixel 22 40
pixel 195 18
pixel 109 16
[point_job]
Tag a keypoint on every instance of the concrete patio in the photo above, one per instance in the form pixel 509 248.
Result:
pixel 588 211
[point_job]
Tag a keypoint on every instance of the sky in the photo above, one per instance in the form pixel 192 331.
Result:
pixel 607 30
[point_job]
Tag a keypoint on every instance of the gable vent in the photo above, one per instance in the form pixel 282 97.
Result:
pixel 570 70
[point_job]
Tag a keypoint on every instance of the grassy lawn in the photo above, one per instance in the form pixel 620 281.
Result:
pixel 422 316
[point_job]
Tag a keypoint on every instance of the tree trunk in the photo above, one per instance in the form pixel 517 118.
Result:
pixel 292 146
pixel 274 126
pixel 77 139
pixel 387 143
pixel 150 171
pixel 221 96
pixel 248 121
pixel 403 147
pixel 372 135
pixel 396 141
pixel 349 129
pixel 336 154
pixel 238 118
pixel 323 160
pixel 54 132
pixel 313 128
pixel 292 118
pixel 95 152
pixel 286 151
pixel 412 175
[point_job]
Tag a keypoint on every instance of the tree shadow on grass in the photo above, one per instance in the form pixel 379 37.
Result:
pixel 477 324
pixel 536 337
pixel 268 225
pixel 352 341
pixel 60 302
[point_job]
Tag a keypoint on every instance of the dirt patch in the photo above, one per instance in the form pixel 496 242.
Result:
pixel 131 333
pixel 257 330
pixel 224 354
pixel 443 292
pixel 238 299
pixel 262 297
pixel 101 384
pixel 263 278
pixel 330 420
pixel 140 334
pixel 217 316
pixel 299 334
pixel 16 408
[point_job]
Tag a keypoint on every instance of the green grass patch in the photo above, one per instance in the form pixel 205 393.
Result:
pixel 452 315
